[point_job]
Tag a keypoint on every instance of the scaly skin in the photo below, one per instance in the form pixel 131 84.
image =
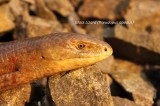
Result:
pixel 27 60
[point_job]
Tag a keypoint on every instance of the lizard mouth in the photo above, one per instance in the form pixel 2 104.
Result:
pixel 74 63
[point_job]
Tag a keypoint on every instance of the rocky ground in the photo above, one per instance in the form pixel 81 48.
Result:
pixel 128 78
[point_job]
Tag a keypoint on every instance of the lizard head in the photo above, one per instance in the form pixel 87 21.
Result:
pixel 69 51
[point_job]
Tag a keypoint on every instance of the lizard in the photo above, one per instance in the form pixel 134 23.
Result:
pixel 25 61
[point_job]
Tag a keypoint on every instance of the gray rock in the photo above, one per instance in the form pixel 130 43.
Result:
pixel 134 81
pixel 82 87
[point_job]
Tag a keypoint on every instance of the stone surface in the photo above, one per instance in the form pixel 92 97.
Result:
pixel 106 64
pixel 43 11
pixel 30 1
pixel 142 9
pixel 104 67
pixel 74 27
pixel 18 7
pixel 82 87
pixel 145 31
pixel 141 39
pixel 141 47
pixel 158 103
pixel 153 73
pixel 123 102
pixel 97 30
pixel 38 27
pixel 34 26
pixel 63 7
pixel 133 80
pixel 6 19
pixel 103 9
pixel 3 1
pixel 75 3
pixel 16 97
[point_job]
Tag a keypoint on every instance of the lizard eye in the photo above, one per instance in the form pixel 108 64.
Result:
pixel 81 46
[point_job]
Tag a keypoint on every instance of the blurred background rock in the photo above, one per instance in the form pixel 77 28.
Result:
pixel 128 78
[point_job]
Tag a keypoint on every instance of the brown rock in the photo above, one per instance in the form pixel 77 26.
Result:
pixel 30 1
pixel 142 9
pixel 97 30
pixel 16 97
pixel 153 73
pixel 82 87
pixel 138 46
pixel 75 3
pixel 18 7
pixel 158 103
pixel 39 27
pixel 63 7
pixel 103 9
pixel 123 102
pixel 141 39
pixel 145 31
pixel 105 64
pixel 74 27
pixel 131 78
pixel 6 19
pixel 3 1
pixel 28 26
pixel 43 11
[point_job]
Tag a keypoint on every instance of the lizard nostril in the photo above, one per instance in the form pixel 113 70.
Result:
pixel 105 49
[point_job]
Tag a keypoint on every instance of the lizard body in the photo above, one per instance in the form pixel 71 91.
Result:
pixel 27 60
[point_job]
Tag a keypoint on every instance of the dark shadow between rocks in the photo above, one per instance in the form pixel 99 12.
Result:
pixel 118 90
pixel 40 95
pixel 128 51
pixel 6 37
pixel 153 74
pixel 37 93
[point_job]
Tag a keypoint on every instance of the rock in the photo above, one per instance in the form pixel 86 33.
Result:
pixel 153 73
pixel 3 1
pixel 142 9
pixel 6 23
pixel 43 11
pixel 133 80
pixel 74 27
pixel 38 27
pixel 18 7
pixel 141 47
pixel 97 30
pixel 145 30
pixel 30 1
pixel 75 3
pixel 105 64
pixel 16 97
pixel 143 39
pixel 158 103
pixel 63 7
pixel 29 26
pixel 103 9
pixel 123 102
pixel 82 87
